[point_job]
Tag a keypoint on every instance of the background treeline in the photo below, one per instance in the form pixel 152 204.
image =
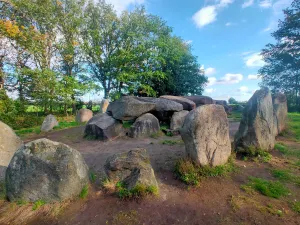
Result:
pixel 52 52
pixel 282 69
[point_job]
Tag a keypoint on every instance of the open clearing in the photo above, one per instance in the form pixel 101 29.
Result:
pixel 217 200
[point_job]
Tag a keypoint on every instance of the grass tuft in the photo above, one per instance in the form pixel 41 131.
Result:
pixel 93 177
pixel 37 204
pixel 127 124
pixel 296 207
pixel 286 175
pixel 84 192
pixel 285 150
pixel 273 189
pixel 139 191
pixel 191 174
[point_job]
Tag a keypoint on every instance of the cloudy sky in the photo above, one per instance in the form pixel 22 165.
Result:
pixel 226 35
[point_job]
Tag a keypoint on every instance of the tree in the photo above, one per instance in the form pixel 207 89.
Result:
pixel 232 101
pixel 282 69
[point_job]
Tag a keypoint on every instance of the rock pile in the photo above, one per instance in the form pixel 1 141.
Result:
pixel 145 113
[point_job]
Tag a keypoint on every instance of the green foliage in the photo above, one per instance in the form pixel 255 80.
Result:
pixel 273 189
pixel 296 207
pixel 281 71
pixel 192 174
pixel 127 124
pixel 84 192
pixel 294 125
pixel 139 191
pixel 24 132
pixel 93 177
pixel 37 204
pixel 232 101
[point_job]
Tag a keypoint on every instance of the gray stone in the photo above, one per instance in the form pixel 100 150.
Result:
pixel 224 104
pixel 84 115
pixel 186 103
pixel 104 105
pixel 49 123
pixel 103 127
pixel 257 125
pixel 9 144
pixel 144 126
pixel 129 108
pixel 45 170
pixel 200 100
pixel 206 135
pixel 163 105
pixel 280 112
pixel 178 120
pixel 131 168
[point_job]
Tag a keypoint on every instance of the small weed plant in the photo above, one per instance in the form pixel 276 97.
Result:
pixel 84 192
pixel 139 191
pixel 37 204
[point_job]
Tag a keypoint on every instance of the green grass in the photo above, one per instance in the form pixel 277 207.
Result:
pixel 139 191
pixel 285 176
pixel 24 132
pixel 84 192
pixel 296 207
pixel 37 204
pixel 273 189
pixel 93 177
pixel 2 191
pixel 127 124
pixel 257 155
pixel 64 125
pixel 285 150
pixel 192 174
pixel 157 135
pixel 236 116
pixel 294 124
pixel 172 142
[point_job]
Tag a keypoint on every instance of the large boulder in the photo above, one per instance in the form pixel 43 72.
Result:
pixel 129 108
pixel 49 123
pixel 144 126
pixel 224 104
pixel 45 170
pixel 9 144
pixel 103 127
pixel 200 100
pixel 131 168
pixel 206 135
pixel 104 105
pixel 178 120
pixel 84 115
pixel 186 103
pixel 280 112
pixel 256 129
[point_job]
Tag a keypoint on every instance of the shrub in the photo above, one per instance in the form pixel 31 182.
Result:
pixel 273 189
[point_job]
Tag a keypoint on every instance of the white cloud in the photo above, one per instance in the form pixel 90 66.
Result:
pixel 254 60
pixel 209 90
pixel 121 5
pixel 247 3
pixel 228 24
pixel 210 71
pixel 265 4
pixel 211 81
pixel 253 77
pixel 246 53
pixel 243 89
pixel 208 14
pixel 277 13
pixel 230 78
pixel 188 42
pixel 205 16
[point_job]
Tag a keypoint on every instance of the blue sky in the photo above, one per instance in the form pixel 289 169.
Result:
pixel 226 35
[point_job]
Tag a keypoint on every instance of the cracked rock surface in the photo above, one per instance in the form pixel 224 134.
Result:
pixel 206 135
